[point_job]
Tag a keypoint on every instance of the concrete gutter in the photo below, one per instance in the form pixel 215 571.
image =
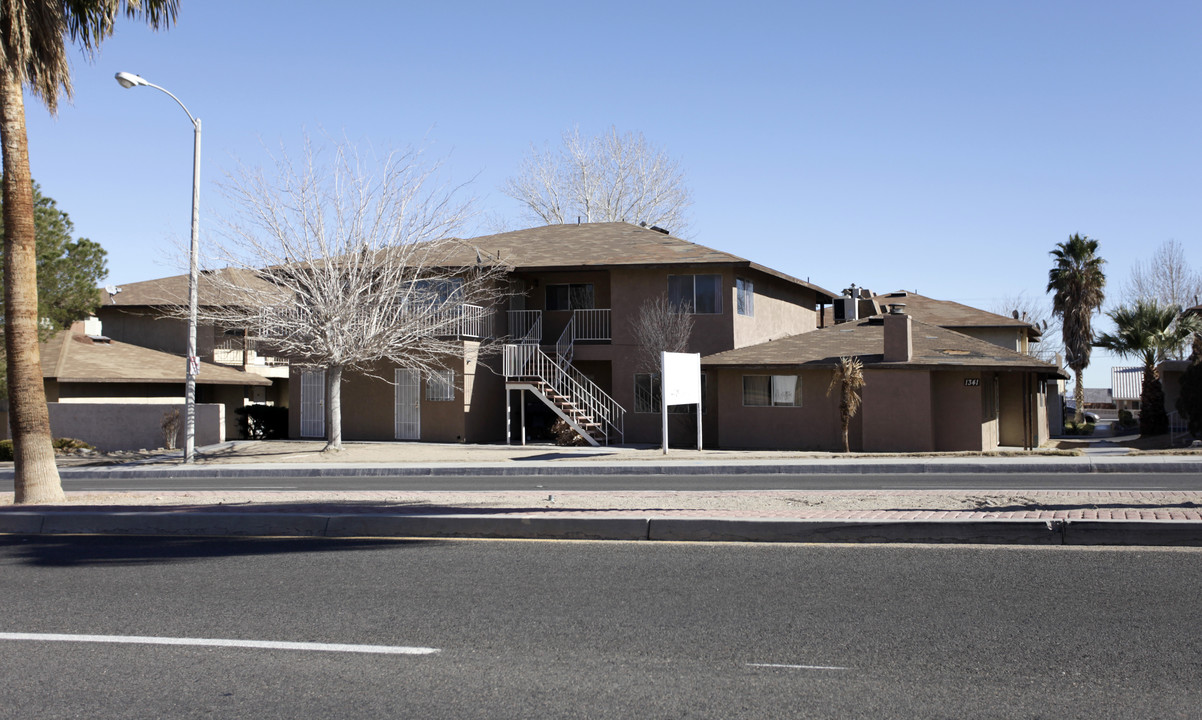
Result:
pixel 647 528
pixel 921 466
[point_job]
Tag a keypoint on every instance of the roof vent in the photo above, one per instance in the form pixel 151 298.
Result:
pixel 897 308
pixel 659 229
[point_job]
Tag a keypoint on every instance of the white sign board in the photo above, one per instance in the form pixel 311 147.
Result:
pixel 680 384
pixel 682 378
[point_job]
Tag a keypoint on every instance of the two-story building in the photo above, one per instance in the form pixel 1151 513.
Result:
pixel 566 341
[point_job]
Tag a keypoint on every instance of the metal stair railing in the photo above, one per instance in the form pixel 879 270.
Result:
pixel 531 363
pixel 565 346
pixel 526 326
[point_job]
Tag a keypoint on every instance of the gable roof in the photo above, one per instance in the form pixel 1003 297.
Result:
pixel 946 313
pixel 550 247
pixel 935 347
pixel 75 358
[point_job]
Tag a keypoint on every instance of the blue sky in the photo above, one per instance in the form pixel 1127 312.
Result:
pixel 942 147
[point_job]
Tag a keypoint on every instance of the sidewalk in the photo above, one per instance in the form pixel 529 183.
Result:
pixel 1038 516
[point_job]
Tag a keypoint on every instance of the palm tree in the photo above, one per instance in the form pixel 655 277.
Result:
pixel 849 378
pixel 1150 332
pixel 1077 281
pixel 33 36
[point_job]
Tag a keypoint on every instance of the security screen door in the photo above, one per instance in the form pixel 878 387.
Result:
pixel 313 404
pixel 408 404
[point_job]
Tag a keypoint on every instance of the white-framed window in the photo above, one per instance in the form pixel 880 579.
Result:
pixel 647 397
pixel 745 297
pixel 696 294
pixel 573 296
pixel 772 391
pixel 440 386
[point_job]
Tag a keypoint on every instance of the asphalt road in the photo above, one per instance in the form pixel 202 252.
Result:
pixel 586 629
pixel 706 482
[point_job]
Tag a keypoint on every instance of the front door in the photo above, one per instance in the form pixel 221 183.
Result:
pixel 408 404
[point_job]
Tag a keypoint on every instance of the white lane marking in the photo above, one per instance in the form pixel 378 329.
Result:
pixel 265 644
pixel 798 667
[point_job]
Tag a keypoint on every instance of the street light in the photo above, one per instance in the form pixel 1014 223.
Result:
pixel 129 80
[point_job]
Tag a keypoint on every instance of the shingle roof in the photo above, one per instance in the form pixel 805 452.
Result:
pixel 934 346
pixel 944 313
pixel 588 245
pixel 72 357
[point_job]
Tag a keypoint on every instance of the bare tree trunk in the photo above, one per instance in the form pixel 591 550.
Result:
pixel 333 408
pixel 1079 396
pixel 35 474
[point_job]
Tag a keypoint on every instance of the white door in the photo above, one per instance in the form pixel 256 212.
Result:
pixel 313 404
pixel 408 404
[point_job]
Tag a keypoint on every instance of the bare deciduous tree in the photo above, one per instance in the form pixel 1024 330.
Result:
pixel 1167 278
pixel 659 327
pixel 350 265
pixel 609 178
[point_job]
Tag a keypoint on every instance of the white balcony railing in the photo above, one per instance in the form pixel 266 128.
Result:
pixel 591 324
pixel 526 326
pixel 464 321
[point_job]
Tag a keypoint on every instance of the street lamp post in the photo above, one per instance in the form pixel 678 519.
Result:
pixel 129 80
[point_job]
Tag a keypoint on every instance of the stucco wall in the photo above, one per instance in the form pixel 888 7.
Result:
pixel 812 426
pixel 483 396
pixel 1010 338
pixel 138 326
pixel 897 411
pixel 957 411
pixel 779 309
pixel 135 426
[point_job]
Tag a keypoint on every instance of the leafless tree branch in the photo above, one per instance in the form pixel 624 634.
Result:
pixel 609 178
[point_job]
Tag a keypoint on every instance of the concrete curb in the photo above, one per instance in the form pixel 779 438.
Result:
pixel 684 467
pixel 1009 532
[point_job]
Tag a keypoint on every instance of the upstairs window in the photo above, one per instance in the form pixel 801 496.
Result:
pixel 696 294
pixel 745 297
pixel 574 296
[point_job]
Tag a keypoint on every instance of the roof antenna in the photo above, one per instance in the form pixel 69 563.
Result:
pixel 577 219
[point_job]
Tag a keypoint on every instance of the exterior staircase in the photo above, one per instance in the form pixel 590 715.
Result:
pixel 584 406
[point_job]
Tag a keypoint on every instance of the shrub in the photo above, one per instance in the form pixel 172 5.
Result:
pixel 6 450
pixel 71 444
pixel 1126 419
pixel 262 422
pixel 1072 428
pixel 565 435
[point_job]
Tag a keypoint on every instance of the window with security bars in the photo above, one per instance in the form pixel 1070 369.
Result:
pixel 440 386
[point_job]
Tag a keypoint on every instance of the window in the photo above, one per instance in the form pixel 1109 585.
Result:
pixel 697 294
pixel 647 397
pixel 771 391
pixel 576 296
pixel 433 293
pixel 745 297
pixel 440 386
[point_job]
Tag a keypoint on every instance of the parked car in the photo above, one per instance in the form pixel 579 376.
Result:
pixel 1070 412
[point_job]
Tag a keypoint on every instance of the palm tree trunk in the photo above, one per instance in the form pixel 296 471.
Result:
pixel 35 474
pixel 1079 395
pixel 333 408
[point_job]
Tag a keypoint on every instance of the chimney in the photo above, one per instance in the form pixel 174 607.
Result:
pixel 899 334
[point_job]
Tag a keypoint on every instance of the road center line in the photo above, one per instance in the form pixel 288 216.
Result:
pixel 798 667
pixel 263 644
